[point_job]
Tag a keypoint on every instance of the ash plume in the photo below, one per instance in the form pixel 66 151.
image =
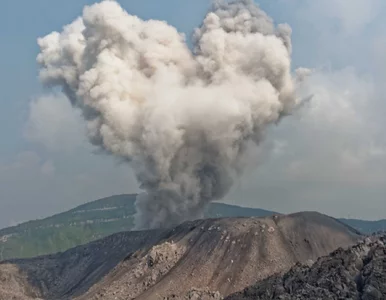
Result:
pixel 182 118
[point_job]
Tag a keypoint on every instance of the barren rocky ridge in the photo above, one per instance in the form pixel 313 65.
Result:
pixel 355 273
pixel 224 255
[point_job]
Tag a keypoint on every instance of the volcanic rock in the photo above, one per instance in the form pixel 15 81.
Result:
pixel 356 273
pixel 224 255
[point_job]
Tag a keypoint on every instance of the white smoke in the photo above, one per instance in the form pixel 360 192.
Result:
pixel 182 119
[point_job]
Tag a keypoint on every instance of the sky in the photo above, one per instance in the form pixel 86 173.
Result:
pixel 330 156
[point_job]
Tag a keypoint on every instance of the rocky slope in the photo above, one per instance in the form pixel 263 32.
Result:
pixel 197 294
pixel 58 276
pixel 97 219
pixel 87 223
pixel 224 255
pixel 221 255
pixel 356 273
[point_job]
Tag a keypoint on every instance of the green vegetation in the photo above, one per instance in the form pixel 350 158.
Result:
pixel 101 218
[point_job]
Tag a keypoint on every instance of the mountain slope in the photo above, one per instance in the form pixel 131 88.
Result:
pixel 56 275
pixel 222 254
pixel 85 223
pixel 100 218
pixel 367 227
pixel 356 273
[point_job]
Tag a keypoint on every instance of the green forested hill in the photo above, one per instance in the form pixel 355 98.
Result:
pixel 62 231
pixel 103 217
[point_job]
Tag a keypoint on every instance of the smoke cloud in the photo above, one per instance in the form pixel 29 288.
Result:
pixel 183 119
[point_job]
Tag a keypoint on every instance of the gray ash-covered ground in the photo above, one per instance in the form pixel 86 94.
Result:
pixel 356 273
pixel 224 255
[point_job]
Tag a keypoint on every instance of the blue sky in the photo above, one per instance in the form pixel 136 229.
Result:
pixel 330 157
